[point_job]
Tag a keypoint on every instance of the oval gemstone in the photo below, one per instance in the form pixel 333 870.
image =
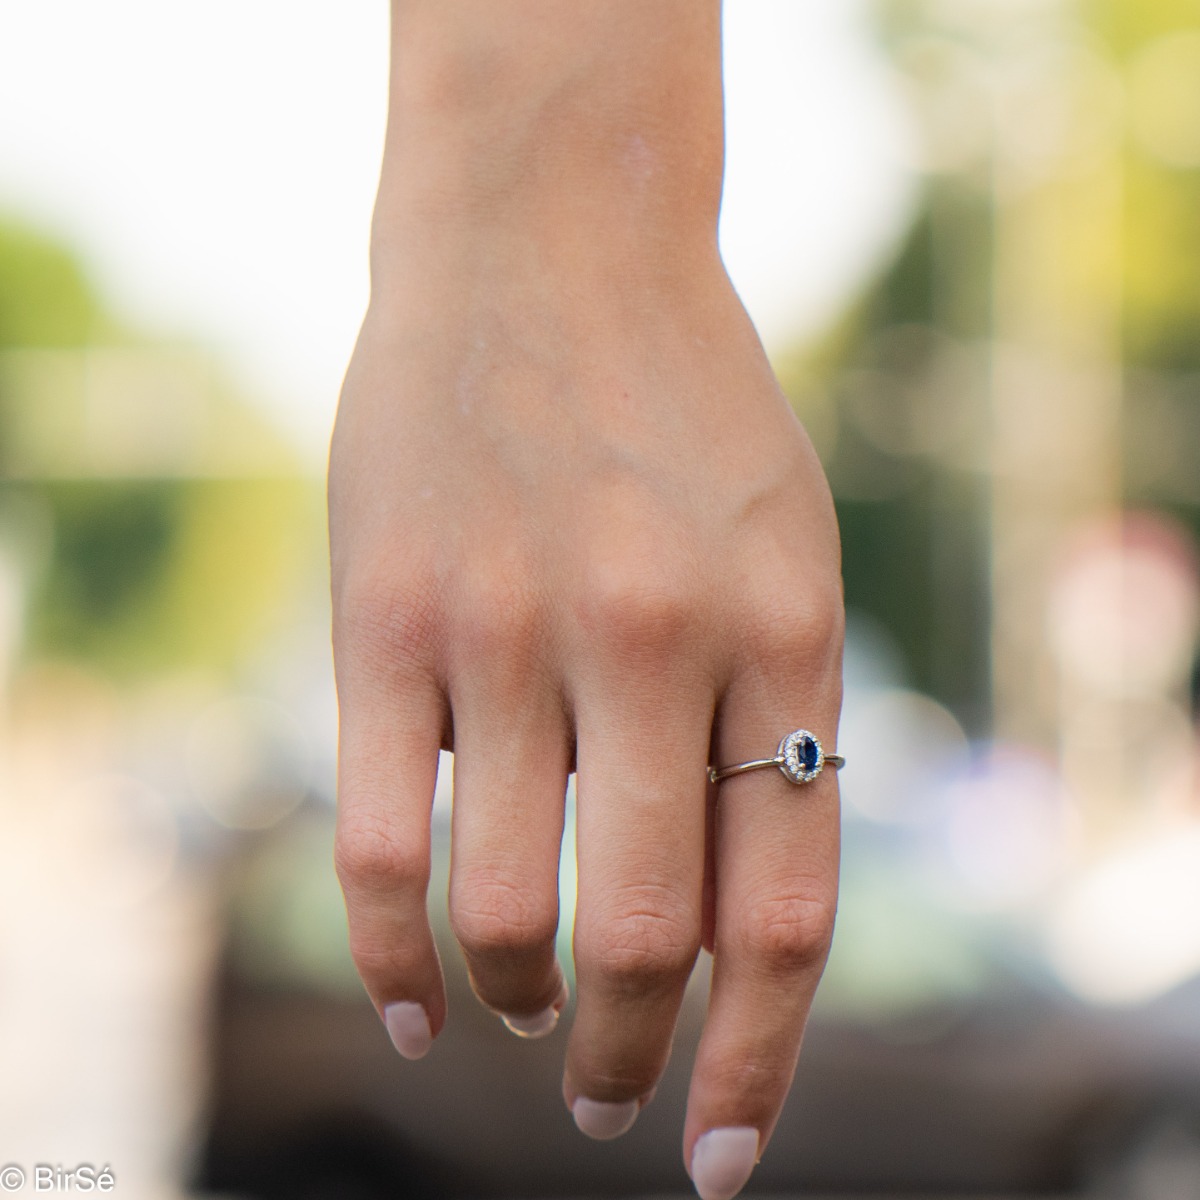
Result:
pixel 808 752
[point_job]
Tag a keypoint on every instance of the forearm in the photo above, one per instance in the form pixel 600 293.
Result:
pixel 588 133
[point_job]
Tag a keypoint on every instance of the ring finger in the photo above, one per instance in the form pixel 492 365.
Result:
pixel 776 852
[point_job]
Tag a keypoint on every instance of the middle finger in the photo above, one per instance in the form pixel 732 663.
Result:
pixel 640 849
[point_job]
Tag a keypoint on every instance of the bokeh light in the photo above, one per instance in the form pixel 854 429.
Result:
pixel 1008 830
pixel 916 746
pixel 248 762
pixel 1127 931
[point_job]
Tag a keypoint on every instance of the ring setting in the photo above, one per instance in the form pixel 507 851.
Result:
pixel 800 757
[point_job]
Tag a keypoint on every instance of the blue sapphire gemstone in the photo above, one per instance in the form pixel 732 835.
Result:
pixel 809 753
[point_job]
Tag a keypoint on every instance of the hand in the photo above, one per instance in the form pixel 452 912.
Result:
pixel 575 526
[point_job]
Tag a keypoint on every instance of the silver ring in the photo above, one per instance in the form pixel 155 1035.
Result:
pixel 800 757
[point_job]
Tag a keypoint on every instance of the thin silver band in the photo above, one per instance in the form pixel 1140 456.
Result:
pixel 716 774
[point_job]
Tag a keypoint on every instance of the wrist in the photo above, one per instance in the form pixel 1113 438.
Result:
pixel 580 135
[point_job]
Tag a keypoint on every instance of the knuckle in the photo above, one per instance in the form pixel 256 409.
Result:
pixel 789 935
pixel 378 617
pixel 796 630
pixel 371 858
pixel 644 611
pixel 496 918
pixel 499 615
pixel 644 949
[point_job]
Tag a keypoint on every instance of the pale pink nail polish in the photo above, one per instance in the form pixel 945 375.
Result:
pixel 408 1027
pixel 540 1024
pixel 604 1120
pixel 723 1160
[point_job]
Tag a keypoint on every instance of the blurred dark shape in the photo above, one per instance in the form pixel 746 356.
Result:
pixel 348 1156
pixel 1014 1088
pixel 1156 1158
pixel 111 546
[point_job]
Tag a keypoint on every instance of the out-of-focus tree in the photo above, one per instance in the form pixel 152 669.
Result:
pixel 157 521
pixel 1157 47
pixel 1030 358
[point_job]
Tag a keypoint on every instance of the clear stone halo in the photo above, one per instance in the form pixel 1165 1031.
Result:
pixel 801 757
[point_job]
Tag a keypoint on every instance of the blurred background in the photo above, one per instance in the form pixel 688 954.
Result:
pixel 970 235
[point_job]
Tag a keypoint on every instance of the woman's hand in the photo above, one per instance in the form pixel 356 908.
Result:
pixel 575 526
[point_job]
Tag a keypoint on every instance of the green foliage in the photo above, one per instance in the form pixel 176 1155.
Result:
pixel 45 296
pixel 918 565
pixel 111 549
pixel 1162 266
pixel 138 575
pixel 914 526
pixel 154 575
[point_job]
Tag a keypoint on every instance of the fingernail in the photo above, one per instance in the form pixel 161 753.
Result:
pixel 536 1026
pixel 722 1161
pixel 604 1120
pixel 540 1024
pixel 408 1027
